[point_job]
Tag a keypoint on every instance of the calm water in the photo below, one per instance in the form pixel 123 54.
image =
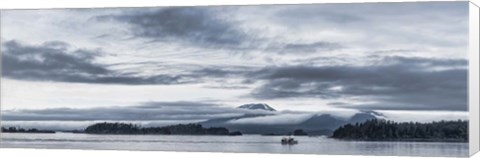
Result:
pixel 246 143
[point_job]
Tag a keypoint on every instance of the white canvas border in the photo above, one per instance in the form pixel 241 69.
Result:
pixel 52 4
pixel 473 77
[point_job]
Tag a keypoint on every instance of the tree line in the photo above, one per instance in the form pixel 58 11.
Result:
pixel 180 129
pixel 388 130
pixel 21 130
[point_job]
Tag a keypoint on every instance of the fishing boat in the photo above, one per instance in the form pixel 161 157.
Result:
pixel 288 141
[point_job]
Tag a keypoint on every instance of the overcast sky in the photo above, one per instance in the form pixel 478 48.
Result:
pixel 394 57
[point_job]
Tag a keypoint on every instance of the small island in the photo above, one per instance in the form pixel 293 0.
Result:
pixel 180 129
pixel 21 130
pixel 382 130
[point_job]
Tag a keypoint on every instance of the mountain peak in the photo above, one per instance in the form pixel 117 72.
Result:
pixel 257 106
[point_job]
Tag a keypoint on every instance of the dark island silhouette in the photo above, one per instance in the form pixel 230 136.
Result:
pixel 21 130
pixel 383 130
pixel 180 129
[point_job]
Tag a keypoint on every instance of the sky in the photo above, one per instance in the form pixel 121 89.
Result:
pixel 179 64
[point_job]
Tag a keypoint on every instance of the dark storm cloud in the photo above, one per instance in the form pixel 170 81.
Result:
pixel 182 110
pixel 49 56
pixel 53 61
pixel 397 83
pixel 224 71
pixel 204 27
pixel 424 62
pixel 195 25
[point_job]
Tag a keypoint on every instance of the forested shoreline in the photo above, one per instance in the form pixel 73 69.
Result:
pixel 21 130
pixel 180 129
pixel 382 130
pixel 371 130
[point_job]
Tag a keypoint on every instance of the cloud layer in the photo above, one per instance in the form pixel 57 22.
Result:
pixel 151 111
pixel 396 83
pixel 369 56
pixel 57 61
pixel 191 25
pixel 391 83
pixel 53 61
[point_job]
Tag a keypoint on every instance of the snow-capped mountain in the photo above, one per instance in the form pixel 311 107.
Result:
pixel 257 106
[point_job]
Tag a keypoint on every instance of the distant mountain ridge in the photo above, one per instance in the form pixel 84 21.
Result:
pixel 319 124
pixel 257 106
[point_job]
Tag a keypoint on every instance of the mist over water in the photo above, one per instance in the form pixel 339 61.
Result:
pixel 244 144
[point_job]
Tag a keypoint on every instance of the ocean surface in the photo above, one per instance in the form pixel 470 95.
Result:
pixel 245 143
